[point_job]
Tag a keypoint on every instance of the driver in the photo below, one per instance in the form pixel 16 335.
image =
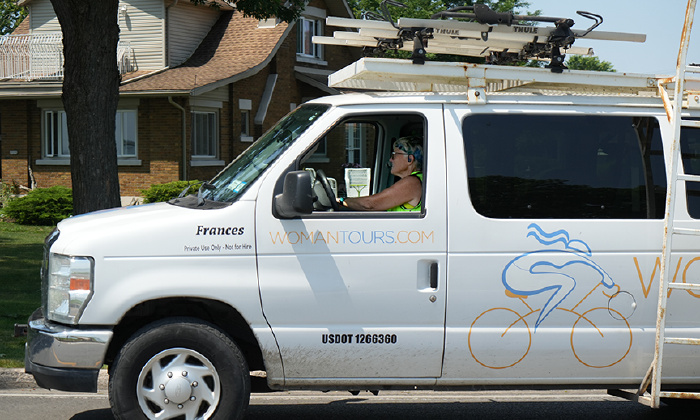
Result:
pixel 406 162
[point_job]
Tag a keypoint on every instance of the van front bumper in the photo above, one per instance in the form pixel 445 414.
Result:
pixel 64 358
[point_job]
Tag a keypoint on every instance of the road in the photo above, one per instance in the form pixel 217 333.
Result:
pixel 33 404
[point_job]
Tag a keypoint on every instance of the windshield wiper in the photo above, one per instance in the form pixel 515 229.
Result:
pixel 205 186
pixel 186 190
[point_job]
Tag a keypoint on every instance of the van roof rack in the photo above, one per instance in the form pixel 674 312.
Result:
pixel 476 80
pixel 475 31
pixel 399 75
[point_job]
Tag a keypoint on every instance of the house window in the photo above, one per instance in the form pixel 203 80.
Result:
pixel 56 144
pixel 245 123
pixel 355 139
pixel 204 134
pixel 55 134
pixel 307 28
pixel 126 133
pixel 246 105
pixel 322 150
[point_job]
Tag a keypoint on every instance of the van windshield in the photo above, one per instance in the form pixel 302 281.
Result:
pixel 244 170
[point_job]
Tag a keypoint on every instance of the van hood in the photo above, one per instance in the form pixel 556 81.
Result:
pixel 157 229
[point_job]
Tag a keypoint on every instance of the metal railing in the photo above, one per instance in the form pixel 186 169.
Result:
pixel 40 57
pixel 31 57
pixel 125 57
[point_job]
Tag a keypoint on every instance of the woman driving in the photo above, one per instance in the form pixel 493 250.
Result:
pixel 406 162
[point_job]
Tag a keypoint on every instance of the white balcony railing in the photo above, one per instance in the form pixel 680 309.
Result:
pixel 40 57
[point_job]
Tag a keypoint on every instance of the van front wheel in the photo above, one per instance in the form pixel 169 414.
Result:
pixel 179 368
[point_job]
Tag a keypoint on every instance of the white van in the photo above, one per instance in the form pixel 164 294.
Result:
pixel 534 260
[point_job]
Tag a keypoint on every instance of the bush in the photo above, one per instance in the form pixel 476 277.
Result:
pixel 164 192
pixel 41 207
pixel 7 192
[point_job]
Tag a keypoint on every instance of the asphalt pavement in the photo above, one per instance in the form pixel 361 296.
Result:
pixel 15 378
pixel 20 397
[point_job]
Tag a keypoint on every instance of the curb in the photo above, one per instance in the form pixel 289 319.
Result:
pixel 16 378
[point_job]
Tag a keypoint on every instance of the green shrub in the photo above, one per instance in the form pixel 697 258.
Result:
pixel 7 192
pixel 164 192
pixel 41 207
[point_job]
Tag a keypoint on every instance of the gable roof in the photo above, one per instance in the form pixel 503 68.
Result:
pixel 234 49
pixel 22 28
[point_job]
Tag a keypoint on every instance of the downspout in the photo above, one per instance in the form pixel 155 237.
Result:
pixel 184 137
pixel 170 98
pixel 231 122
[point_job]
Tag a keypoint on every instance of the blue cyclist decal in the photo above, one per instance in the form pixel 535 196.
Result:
pixel 553 270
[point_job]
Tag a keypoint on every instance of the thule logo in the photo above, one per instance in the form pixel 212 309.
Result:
pixel 525 29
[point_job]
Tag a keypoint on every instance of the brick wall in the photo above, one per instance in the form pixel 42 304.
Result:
pixel 14 148
pixel 160 126
pixel 159 147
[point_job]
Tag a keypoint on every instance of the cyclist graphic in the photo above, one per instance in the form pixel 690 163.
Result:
pixel 554 270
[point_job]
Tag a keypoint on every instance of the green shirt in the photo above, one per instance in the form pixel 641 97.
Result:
pixel 406 206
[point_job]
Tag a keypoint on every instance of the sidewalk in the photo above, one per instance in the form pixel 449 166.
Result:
pixel 15 378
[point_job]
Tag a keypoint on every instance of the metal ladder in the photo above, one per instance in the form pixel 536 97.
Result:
pixel 653 378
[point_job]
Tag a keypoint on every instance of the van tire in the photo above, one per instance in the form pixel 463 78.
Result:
pixel 180 366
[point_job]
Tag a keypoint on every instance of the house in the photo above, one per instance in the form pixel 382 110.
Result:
pixel 199 84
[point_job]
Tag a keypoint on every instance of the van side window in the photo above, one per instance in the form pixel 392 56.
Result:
pixel 690 152
pixel 562 167
pixel 356 155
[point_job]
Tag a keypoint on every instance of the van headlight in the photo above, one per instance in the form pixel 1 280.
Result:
pixel 69 287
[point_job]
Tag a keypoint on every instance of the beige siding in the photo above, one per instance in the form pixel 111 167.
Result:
pixel 217 95
pixel 42 17
pixel 188 25
pixel 143 27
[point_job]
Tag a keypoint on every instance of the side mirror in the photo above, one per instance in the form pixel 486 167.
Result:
pixel 296 198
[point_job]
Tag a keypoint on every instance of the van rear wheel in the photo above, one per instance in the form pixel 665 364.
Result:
pixel 179 368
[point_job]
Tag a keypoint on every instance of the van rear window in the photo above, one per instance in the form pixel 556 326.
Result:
pixel 690 152
pixel 565 167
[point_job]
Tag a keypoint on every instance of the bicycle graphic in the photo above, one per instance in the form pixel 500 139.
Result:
pixel 552 274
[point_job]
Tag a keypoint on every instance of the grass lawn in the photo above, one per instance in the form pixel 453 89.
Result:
pixel 21 250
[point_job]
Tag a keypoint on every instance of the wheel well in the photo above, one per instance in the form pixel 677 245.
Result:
pixel 214 312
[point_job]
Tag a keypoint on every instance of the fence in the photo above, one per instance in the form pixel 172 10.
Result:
pixel 40 57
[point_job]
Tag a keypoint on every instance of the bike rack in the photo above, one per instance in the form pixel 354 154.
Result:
pixel 475 31
pixel 496 37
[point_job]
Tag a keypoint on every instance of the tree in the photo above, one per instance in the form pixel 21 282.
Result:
pixel 91 90
pixel 423 9
pixel 90 97
pixel 11 15
pixel 579 62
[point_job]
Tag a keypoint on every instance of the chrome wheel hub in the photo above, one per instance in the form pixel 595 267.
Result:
pixel 178 382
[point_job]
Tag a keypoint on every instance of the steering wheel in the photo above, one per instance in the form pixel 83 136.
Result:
pixel 323 180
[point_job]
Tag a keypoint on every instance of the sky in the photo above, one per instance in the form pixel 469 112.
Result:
pixel 660 20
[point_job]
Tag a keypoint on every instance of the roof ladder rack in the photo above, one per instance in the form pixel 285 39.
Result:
pixel 652 381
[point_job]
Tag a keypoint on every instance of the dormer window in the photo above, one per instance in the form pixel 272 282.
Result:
pixel 310 24
pixel 306 30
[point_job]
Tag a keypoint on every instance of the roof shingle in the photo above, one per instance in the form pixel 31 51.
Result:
pixel 234 46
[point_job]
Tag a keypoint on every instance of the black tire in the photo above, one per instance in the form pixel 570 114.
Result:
pixel 179 366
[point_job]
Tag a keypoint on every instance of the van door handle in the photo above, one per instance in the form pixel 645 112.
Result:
pixel 433 275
